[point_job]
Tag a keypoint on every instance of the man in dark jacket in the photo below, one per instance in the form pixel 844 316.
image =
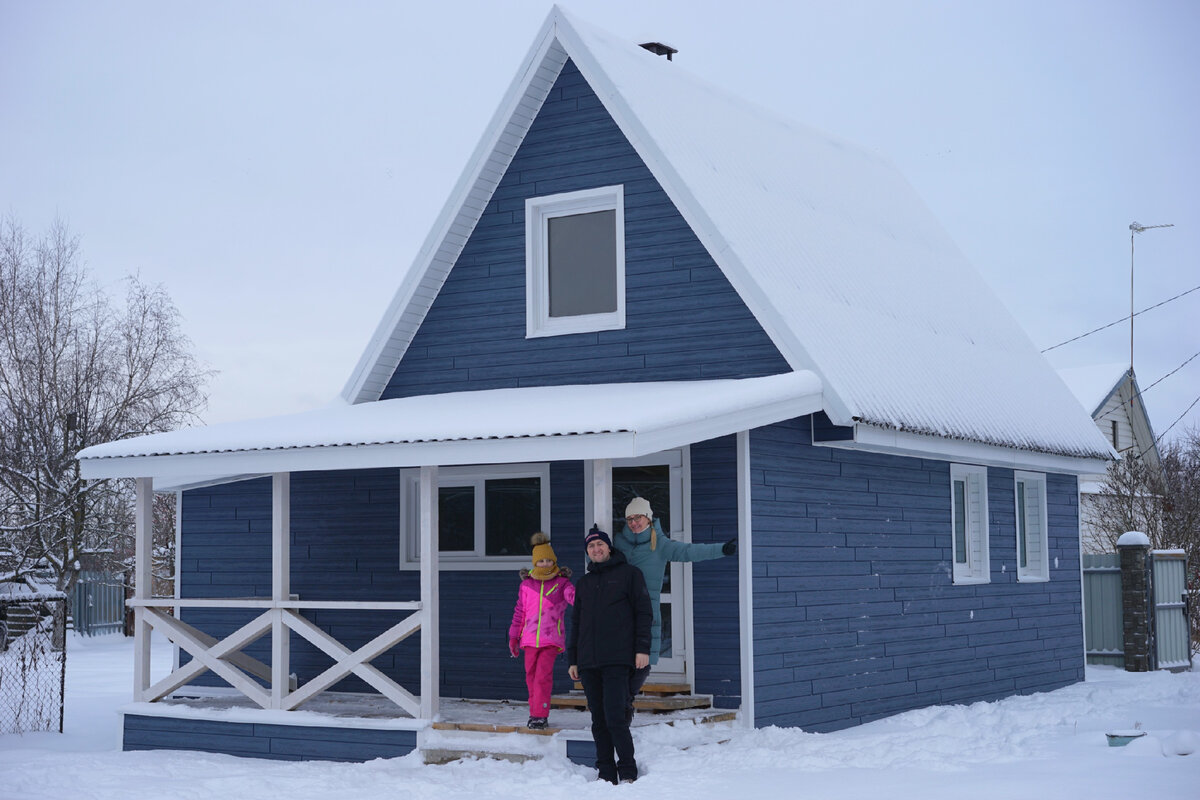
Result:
pixel 609 638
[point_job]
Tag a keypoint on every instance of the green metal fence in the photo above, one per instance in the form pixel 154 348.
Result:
pixel 1103 635
pixel 1103 610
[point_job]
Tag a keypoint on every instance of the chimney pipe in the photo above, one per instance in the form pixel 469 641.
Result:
pixel 660 49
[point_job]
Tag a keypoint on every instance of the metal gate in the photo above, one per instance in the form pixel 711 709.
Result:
pixel 1172 637
pixel 1103 610
pixel 98 603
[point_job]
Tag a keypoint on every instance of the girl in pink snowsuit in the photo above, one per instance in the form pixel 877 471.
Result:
pixel 537 625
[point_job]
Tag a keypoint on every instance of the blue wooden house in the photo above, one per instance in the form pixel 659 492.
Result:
pixel 640 285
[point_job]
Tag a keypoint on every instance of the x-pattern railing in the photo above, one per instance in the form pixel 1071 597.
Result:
pixel 225 656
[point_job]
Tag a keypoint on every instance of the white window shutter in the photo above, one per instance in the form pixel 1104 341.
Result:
pixel 975 524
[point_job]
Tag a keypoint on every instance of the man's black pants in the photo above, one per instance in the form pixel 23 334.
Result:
pixel 607 691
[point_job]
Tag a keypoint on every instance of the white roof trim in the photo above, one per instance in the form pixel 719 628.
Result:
pixel 548 423
pixel 901 443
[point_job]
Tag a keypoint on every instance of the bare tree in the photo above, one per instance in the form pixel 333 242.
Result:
pixel 1130 499
pixel 77 370
pixel 1163 504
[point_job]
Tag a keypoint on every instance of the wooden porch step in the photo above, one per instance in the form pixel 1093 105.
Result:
pixel 484 727
pixel 640 703
pixel 476 740
pixel 656 688
pixel 478 727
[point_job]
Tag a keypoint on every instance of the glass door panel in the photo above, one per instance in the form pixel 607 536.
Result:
pixel 661 484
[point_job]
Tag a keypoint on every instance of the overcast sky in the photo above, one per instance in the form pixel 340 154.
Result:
pixel 276 165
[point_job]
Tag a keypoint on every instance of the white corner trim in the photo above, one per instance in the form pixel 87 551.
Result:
pixel 745 579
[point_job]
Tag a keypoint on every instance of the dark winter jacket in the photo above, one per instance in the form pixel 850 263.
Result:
pixel 610 621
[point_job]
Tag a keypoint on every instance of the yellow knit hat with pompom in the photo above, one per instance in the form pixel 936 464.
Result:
pixel 542 551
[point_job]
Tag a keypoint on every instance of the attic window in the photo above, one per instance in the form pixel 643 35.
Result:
pixel 575 262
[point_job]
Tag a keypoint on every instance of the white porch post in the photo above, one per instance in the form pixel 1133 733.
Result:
pixel 281 583
pixel 143 571
pixel 602 495
pixel 745 579
pixel 178 612
pixel 430 640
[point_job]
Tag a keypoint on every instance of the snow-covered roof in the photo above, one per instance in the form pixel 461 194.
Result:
pixel 840 261
pixel 1096 386
pixel 1093 385
pixel 492 426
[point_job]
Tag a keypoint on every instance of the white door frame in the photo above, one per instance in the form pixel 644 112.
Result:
pixel 679 463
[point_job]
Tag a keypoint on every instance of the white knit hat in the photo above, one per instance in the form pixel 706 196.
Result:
pixel 639 505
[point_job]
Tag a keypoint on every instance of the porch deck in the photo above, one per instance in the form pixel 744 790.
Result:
pixel 463 728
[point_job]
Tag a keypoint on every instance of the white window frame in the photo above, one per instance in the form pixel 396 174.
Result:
pixel 538 212
pixel 477 476
pixel 977 565
pixel 1032 526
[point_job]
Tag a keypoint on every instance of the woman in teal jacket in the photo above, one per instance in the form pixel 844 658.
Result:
pixel 649 549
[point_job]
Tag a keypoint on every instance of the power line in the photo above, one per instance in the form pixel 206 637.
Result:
pixel 1158 438
pixel 1169 374
pixel 1176 422
pixel 1122 319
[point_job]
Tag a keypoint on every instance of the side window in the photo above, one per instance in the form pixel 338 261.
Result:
pixel 575 262
pixel 485 514
pixel 1033 556
pixel 969 523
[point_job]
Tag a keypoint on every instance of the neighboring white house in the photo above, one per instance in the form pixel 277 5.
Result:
pixel 1110 393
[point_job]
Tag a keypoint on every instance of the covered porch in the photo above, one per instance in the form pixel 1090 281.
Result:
pixel 580 424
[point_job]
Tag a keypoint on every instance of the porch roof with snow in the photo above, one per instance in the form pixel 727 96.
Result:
pixel 492 426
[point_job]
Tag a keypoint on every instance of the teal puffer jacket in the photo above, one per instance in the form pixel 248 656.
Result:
pixel 653 563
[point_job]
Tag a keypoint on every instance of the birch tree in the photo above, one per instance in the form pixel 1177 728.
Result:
pixel 77 369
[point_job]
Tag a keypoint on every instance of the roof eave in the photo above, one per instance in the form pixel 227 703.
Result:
pixel 877 439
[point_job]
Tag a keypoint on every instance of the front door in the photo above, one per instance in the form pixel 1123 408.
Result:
pixel 661 480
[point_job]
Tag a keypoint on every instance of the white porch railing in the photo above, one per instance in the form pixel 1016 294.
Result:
pixel 225 658
pixel 281 616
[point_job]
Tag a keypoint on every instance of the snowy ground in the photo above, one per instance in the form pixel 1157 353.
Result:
pixel 1048 745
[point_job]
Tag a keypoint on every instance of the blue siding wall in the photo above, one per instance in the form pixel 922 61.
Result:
pixel 253 740
pixel 855 613
pixel 346 546
pixel 715 613
pixel 684 321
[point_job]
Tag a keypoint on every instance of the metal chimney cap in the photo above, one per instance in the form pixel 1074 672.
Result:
pixel 660 49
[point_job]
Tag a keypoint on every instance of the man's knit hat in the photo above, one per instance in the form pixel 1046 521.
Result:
pixel 594 534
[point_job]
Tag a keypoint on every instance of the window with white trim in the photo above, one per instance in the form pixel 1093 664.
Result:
pixel 486 514
pixel 575 262
pixel 969 523
pixel 1033 555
